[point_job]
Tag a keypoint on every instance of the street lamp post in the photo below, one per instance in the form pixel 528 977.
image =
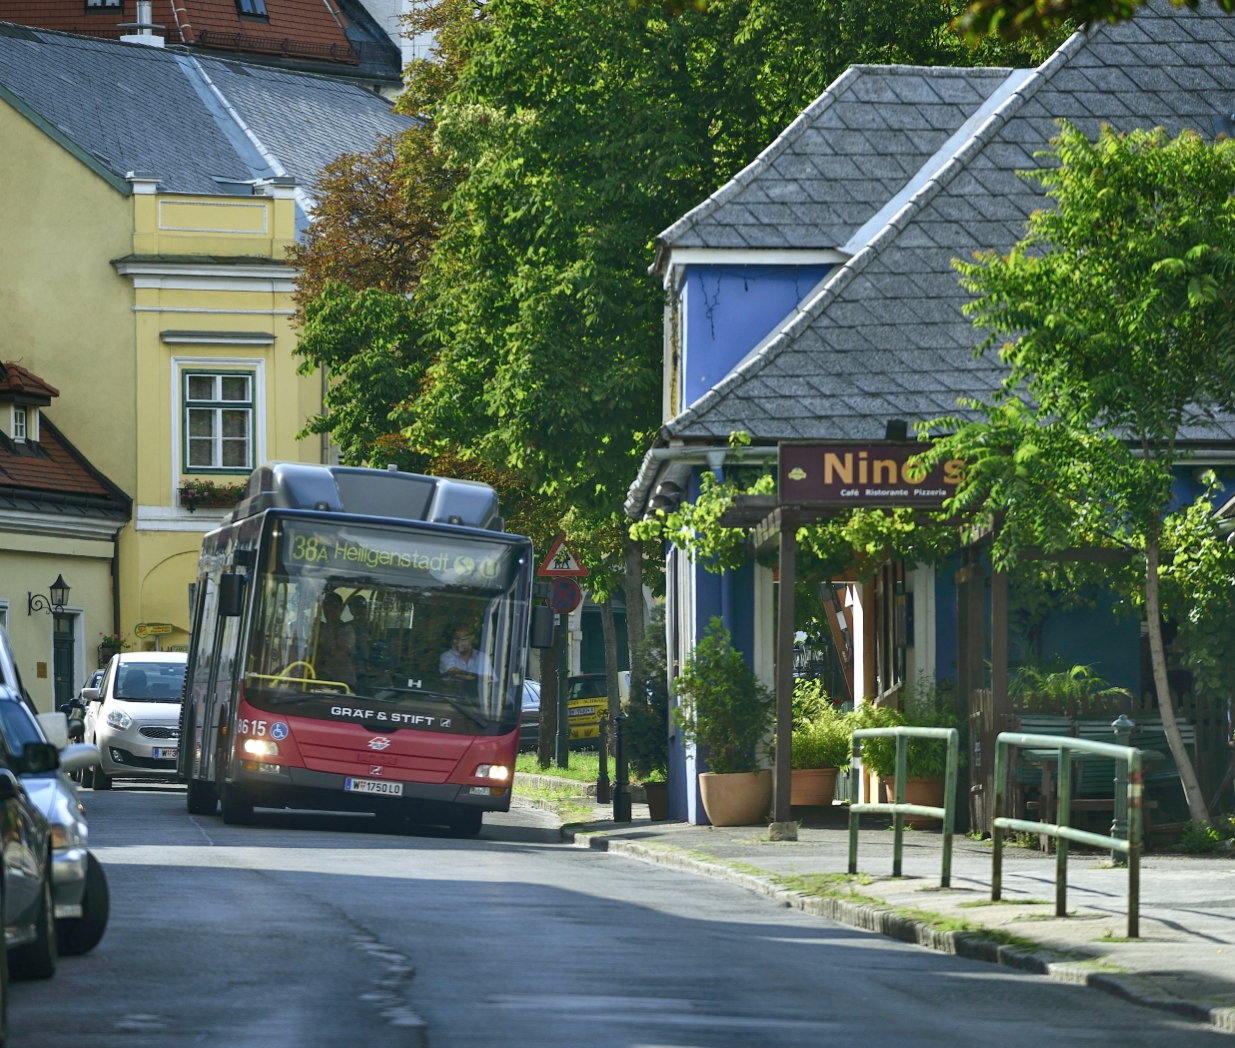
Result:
pixel 562 748
pixel 53 604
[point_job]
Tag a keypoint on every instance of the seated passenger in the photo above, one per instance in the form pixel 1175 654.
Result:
pixel 336 644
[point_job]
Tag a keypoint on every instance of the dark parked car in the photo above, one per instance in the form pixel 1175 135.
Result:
pixel 529 727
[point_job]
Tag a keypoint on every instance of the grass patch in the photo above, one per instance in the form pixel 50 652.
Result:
pixel 1110 936
pixel 562 799
pixel 584 767
pixel 1004 902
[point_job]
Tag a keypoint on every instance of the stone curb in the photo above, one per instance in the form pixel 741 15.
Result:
pixel 886 921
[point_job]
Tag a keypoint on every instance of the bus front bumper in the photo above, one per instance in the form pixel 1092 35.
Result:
pixel 302 788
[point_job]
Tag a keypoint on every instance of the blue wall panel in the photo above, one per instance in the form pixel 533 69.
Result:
pixel 728 311
pixel 1095 637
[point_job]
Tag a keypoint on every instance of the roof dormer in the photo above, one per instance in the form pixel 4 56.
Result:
pixel 22 395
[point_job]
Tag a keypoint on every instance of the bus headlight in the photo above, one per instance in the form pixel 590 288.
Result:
pixel 493 771
pixel 261 747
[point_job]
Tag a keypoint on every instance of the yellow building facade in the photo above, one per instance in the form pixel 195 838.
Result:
pixel 132 300
pixel 148 200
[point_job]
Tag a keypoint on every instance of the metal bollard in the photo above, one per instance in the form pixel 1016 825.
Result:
pixel 603 795
pixel 621 785
pixel 1122 727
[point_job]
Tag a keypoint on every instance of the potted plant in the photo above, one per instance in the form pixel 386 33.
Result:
pixel 821 747
pixel 925 707
pixel 111 644
pixel 724 708
pixel 646 733
pixel 206 494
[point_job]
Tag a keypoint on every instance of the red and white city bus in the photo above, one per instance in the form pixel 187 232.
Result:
pixel 358 643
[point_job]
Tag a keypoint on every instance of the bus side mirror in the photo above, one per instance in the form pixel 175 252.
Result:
pixel 231 595
pixel 542 626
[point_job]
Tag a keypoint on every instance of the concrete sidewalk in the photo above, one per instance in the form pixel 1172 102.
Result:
pixel 1184 960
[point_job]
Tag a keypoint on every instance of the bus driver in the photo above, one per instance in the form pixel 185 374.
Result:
pixel 462 662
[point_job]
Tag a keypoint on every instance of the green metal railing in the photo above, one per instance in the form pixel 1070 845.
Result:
pixel 900 809
pixel 1130 846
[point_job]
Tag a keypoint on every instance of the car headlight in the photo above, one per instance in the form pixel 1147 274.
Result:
pixel 493 771
pixel 119 719
pixel 261 747
pixel 59 836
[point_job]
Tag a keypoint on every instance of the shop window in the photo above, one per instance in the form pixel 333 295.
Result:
pixel 218 421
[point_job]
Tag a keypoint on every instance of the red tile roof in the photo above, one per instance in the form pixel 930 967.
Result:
pixel 16 379
pixel 61 468
pixel 301 28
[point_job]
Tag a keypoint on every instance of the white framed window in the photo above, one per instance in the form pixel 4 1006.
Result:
pixel 103 3
pixel 19 425
pixel 218 421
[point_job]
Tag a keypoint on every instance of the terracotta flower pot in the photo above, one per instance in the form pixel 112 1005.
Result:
pixel 928 792
pixel 813 786
pixel 740 799
pixel 658 800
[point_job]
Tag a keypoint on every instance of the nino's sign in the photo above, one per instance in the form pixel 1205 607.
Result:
pixel 865 474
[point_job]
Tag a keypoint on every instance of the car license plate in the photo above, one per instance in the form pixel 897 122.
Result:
pixel 164 754
pixel 389 789
pixel 581 711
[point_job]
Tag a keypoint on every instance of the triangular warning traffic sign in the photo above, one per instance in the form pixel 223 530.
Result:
pixel 561 562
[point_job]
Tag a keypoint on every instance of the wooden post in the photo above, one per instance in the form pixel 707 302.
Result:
pixel 782 818
pixel 870 640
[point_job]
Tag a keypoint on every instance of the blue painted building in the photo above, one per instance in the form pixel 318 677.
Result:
pixel 813 297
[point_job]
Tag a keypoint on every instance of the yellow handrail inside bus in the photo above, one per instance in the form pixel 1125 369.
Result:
pixel 303 680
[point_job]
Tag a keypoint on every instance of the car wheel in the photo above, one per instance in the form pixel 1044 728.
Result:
pixel 87 777
pixel 78 935
pixel 466 822
pixel 237 806
pixel 201 797
pixel 102 781
pixel 37 960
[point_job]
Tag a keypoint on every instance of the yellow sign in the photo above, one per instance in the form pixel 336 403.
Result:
pixel 153 629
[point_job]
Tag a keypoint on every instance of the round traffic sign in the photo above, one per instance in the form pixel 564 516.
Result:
pixel 565 596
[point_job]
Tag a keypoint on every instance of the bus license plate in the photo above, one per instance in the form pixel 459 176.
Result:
pixel 581 711
pixel 389 789
pixel 164 754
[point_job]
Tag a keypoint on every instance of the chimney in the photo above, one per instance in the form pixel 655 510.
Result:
pixel 144 25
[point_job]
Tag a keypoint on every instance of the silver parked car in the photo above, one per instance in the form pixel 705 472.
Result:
pixel 134 717
pixel 79 886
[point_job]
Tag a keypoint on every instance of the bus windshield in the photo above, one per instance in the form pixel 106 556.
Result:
pixel 394 625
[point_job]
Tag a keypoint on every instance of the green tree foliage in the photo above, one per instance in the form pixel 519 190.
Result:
pixel 585 129
pixel 1118 303
pixel 722 705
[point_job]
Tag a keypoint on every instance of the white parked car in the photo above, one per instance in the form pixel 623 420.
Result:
pixel 134 717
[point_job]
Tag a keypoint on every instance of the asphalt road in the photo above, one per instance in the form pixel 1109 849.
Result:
pixel 317 931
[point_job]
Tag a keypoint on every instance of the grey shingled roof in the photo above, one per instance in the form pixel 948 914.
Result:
pixel 136 108
pixel 306 121
pixel 843 157
pixel 885 336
